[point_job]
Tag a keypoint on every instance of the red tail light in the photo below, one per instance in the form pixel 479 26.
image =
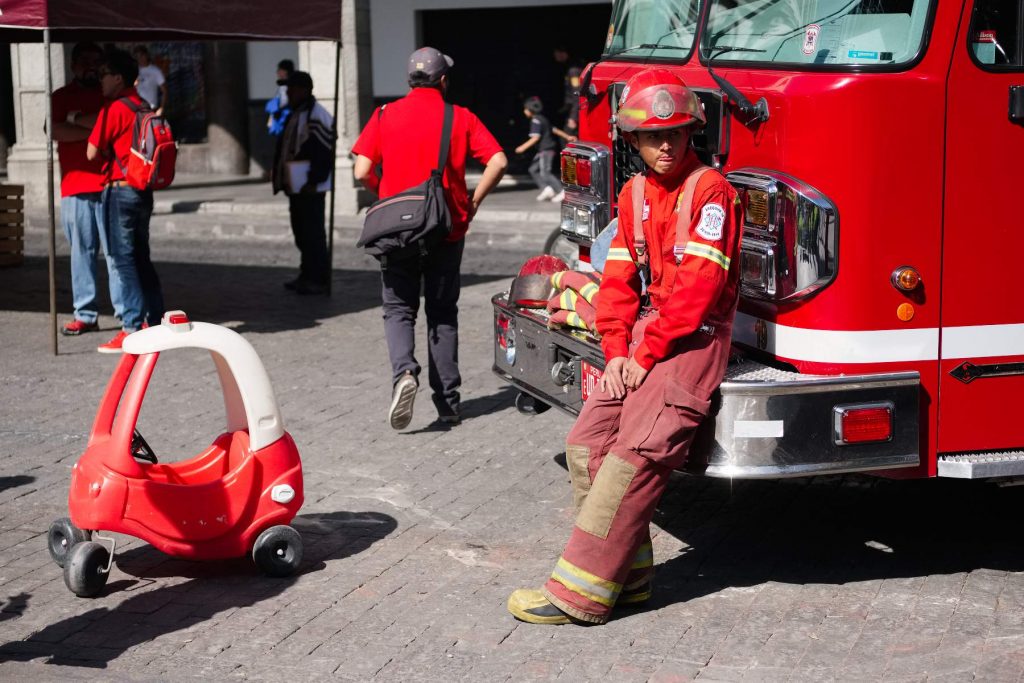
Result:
pixel 863 423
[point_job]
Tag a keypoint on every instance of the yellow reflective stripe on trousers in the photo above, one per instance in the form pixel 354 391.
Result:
pixel 619 254
pixel 567 300
pixel 556 279
pixel 586 584
pixel 644 557
pixel 575 320
pixel 588 291
pixel 708 252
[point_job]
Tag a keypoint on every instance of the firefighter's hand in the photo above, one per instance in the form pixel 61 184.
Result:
pixel 633 374
pixel 612 381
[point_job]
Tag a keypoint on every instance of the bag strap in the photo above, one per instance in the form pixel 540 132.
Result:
pixel 135 109
pixel 685 214
pixel 446 134
pixel 639 241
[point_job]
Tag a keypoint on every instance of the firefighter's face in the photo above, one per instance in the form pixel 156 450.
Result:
pixel 662 150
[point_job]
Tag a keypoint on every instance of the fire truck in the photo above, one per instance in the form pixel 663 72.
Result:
pixel 876 146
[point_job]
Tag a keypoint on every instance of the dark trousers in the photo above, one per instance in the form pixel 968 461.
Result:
pixel 436 274
pixel 307 215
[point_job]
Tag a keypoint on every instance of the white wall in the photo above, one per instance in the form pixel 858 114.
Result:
pixel 263 59
pixel 393 31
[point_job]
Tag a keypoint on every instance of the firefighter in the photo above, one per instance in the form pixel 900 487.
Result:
pixel 665 350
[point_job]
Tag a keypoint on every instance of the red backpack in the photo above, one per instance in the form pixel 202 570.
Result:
pixel 153 150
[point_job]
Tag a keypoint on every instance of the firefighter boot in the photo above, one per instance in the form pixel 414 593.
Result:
pixel 530 605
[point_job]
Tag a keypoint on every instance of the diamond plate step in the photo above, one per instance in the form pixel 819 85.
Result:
pixel 982 465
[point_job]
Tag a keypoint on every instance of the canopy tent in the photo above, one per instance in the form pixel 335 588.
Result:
pixel 23 21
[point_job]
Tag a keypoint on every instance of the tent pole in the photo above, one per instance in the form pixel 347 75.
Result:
pixel 49 193
pixel 334 160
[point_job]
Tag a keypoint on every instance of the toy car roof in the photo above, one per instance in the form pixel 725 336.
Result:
pixel 248 397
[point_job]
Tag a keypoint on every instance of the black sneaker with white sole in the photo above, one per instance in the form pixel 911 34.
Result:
pixel 402 398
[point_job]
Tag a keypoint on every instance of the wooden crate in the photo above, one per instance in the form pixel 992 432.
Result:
pixel 12 225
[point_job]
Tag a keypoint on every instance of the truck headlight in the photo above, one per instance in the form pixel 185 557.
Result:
pixel 790 236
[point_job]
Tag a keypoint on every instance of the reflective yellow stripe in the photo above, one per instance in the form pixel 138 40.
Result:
pixel 586 584
pixel 708 252
pixel 644 557
pixel 588 291
pixel 556 279
pixel 619 254
pixel 568 300
pixel 575 320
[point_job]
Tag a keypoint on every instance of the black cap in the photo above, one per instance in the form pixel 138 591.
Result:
pixel 428 65
pixel 533 104
pixel 300 79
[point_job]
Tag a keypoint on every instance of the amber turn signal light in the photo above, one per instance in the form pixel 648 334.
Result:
pixel 905 279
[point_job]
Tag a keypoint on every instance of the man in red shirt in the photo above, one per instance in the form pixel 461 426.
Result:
pixel 127 210
pixel 679 233
pixel 404 138
pixel 74 114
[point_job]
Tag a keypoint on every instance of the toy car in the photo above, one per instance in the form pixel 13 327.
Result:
pixel 235 498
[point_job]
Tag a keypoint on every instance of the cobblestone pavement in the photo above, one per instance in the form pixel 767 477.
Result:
pixel 415 539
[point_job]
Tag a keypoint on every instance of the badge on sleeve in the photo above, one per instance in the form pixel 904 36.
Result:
pixel 712 218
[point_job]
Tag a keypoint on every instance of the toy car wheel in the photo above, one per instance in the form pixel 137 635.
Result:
pixel 62 537
pixel 278 551
pixel 85 572
pixel 528 405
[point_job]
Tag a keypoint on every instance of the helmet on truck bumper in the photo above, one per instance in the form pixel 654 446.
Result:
pixel 532 286
pixel 657 99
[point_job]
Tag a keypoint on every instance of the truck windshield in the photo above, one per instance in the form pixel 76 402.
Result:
pixel 815 32
pixel 652 28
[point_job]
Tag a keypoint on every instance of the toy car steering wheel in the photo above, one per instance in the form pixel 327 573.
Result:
pixel 140 449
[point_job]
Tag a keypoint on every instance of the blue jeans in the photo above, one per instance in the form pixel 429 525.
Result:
pixel 82 218
pixel 127 212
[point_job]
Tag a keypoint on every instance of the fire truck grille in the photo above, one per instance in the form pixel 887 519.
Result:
pixel 626 162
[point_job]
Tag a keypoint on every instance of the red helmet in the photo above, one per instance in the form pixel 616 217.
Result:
pixel 655 99
pixel 532 286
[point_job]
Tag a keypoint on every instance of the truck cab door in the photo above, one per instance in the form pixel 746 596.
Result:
pixel 982 309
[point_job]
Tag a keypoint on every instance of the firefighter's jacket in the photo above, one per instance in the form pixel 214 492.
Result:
pixel 699 290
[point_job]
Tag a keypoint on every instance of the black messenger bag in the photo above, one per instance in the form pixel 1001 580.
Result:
pixel 412 221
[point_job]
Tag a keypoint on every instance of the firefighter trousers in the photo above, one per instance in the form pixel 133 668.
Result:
pixel 620 454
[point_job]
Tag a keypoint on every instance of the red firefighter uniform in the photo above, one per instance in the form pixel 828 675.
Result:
pixel 621 451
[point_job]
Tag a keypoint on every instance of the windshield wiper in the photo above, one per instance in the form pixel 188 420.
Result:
pixel 649 46
pixel 753 112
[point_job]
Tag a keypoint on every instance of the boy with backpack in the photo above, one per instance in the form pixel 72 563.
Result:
pixel 124 123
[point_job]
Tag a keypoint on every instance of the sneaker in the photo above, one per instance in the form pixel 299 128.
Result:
pixel 77 327
pixel 449 419
pixel 402 398
pixel 557 199
pixel 530 605
pixel 114 345
pixel 292 284
pixel 546 194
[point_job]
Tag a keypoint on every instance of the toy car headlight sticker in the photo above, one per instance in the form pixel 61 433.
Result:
pixel 663 105
pixel 712 218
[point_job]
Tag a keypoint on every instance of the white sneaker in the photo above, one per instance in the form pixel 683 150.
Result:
pixel 402 398
pixel 546 194
pixel 557 199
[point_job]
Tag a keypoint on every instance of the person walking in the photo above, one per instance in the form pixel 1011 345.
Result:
pixel 81 211
pixel 126 210
pixel 403 137
pixel 302 169
pixel 679 225
pixel 151 83
pixel 541 136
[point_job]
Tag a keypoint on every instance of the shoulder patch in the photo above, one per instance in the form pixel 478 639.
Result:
pixel 712 219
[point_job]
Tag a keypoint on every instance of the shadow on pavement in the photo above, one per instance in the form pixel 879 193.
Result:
pixel 832 530
pixel 15 481
pixel 215 293
pixel 98 636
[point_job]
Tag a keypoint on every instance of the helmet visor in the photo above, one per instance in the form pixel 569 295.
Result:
pixel 657 107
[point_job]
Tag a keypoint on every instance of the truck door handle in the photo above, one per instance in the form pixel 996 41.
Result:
pixel 1017 103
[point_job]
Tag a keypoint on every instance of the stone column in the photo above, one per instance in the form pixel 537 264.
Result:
pixel 26 163
pixel 356 87
pixel 227 92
